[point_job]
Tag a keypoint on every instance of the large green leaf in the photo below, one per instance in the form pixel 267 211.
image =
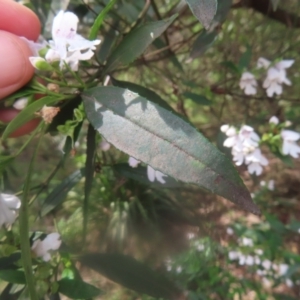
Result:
pixel 130 273
pixel 77 289
pixel 58 195
pixel 204 10
pixel 161 139
pixel 136 42
pixel 142 91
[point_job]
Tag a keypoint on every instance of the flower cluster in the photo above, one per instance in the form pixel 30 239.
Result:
pixel 42 248
pixel 275 78
pixel 67 46
pixel 244 146
pixel 289 139
pixel 265 267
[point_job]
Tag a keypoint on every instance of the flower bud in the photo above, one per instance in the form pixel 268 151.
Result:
pixel 40 63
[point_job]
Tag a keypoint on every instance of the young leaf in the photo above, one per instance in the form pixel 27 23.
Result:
pixel 204 10
pixel 136 42
pixel 77 289
pixel 199 99
pixel 164 141
pixel 98 22
pixel 130 273
pixel 58 195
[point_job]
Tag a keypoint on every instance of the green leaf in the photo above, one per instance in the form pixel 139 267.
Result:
pixel 275 4
pixel 199 99
pixel 130 273
pixel 164 141
pixel 8 262
pixel 28 113
pixel 245 59
pixel 223 9
pixel 202 43
pixel 58 195
pixel 98 22
pixel 204 10
pixel 140 174
pixel 77 289
pixel 109 40
pixel 144 92
pixel 13 276
pixel 136 42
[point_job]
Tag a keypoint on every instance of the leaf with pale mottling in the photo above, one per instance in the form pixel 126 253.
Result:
pixel 161 139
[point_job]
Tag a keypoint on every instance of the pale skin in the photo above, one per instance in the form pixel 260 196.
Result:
pixel 15 69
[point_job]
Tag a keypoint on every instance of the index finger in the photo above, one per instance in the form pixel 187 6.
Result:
pixel 19 20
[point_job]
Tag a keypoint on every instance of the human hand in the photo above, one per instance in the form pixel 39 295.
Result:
pixel 15 69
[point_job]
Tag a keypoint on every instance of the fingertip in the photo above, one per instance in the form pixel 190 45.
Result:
pixel 16 69
pixel 19 20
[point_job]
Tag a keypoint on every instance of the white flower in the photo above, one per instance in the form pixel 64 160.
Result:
pixel 255 160
pixel 249 137
pixel 104 145
pixel 154 174
pixel 259 251
pixel 190 235
pixel 151 173
pixel 274 120
pixel 21 103
pixel 8 205
pixel 35 47
pixel 247 242
pixel 133 163
pixel 200 247
pixel 233 255
pixel 276 75
pixel 67 45
pixel 42 248
pixel 267 264
pixel 248 83
pixel 283 268
pixel 179 269
pixel 263 63
pixel 270 185
pixel 289 145
pixel 229 231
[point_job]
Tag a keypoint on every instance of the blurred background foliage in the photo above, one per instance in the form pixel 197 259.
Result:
pixel 208 247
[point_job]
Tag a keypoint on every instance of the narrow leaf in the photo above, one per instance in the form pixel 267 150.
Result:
pixel 77 289
pixel 136 42
pixel 245 59
pixel 203 10
pixel 199 99
pixel 27 114
pixel 98 22
pixel 58 195
pixel 13 276
pixel 130 273
pixel 164 141
pixel 202 43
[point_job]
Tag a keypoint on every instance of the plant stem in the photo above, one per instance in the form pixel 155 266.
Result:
pixel 24 230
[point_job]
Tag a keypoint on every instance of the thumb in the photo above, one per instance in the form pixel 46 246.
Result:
pixel 15 68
